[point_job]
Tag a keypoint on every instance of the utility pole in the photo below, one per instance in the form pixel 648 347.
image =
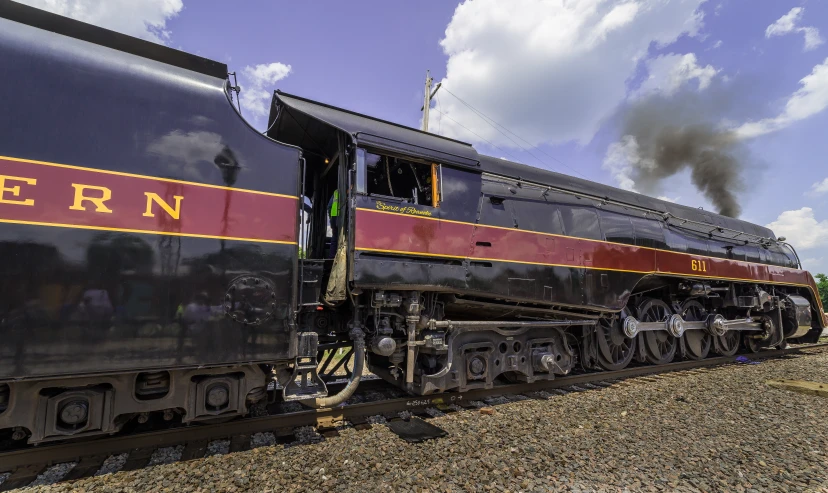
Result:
pixel 427 98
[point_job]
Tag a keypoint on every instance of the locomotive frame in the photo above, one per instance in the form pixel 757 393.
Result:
pixel 163 257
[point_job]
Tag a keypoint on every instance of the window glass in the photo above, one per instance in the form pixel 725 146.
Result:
pixel 537 216
pixel 617 228
pixel 399 178
pixel 580 222
pixel 362 172
pixel 648 232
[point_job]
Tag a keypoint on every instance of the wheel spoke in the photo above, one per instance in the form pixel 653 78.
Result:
pixel 613 355
pixel 660 346
pixel 695 343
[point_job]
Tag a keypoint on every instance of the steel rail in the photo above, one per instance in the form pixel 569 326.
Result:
pixel 74 451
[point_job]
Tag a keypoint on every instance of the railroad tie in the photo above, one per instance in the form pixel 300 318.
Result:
pixel 284 436
pixel 22 476
pixel 87 467
pixel 421 413
pixel 359 422
pixel 240 443
pixel 195 449
pixel 138 459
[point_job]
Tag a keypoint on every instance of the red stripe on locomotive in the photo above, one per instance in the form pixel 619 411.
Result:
pixel 383 231
pixel 58 195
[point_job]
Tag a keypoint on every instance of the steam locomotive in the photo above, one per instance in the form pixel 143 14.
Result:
pixel 161 257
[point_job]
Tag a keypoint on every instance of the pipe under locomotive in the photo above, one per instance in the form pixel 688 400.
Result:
pixel 162 257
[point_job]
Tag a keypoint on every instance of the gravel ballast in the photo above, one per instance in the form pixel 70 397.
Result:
pixel 716 430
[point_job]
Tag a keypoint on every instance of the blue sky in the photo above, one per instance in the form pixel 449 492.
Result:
pixel 559 75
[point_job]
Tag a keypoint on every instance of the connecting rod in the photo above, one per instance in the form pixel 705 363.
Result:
pixel 716 324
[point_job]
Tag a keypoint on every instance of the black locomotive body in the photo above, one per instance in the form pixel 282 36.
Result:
pixel 122 307
pixel 162 256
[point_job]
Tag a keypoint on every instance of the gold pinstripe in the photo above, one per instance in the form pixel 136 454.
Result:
pixel 146 177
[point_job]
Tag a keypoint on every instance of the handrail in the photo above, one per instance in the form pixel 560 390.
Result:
pixel 665 216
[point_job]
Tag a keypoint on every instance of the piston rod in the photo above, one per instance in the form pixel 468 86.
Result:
pixel 442 324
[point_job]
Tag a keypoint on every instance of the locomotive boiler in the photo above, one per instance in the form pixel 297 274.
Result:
pixel 161 256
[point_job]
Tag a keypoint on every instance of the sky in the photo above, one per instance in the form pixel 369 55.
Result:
pixel 562 85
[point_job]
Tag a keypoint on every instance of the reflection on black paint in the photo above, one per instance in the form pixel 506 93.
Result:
pixel 131 304
pixel 77 301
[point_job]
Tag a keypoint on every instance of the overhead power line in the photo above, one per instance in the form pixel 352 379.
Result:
pixel 476 134
pixel 491 122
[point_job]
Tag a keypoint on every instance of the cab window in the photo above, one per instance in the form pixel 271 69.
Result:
pixel 389 177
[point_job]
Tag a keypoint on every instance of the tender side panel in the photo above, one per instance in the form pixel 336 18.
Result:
pixel 89 291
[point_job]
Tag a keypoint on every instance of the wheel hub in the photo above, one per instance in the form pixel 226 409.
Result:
pixel 716 324
pixel 675 325
pixel 217 396
pixel 630 327
pixel 74 412
pixel 477 366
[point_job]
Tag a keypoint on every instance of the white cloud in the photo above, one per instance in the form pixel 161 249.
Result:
pixel 669 73
pixel 788 24
pixel 785 24
pixel 801 228
pixel 257 88
pixel 145 19
pixel 810 99
pixel 819 187
pixel 548 70
pixel 716 45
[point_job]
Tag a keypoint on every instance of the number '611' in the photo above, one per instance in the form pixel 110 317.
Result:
pixel 698 265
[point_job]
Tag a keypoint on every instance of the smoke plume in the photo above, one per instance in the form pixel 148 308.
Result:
pixel 662 137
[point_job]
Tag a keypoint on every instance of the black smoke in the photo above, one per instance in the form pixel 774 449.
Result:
pixel 681 132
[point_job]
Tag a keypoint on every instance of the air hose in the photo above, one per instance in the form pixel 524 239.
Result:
pixel 359 361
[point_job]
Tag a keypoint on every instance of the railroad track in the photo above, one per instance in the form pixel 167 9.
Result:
pixel 25 464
